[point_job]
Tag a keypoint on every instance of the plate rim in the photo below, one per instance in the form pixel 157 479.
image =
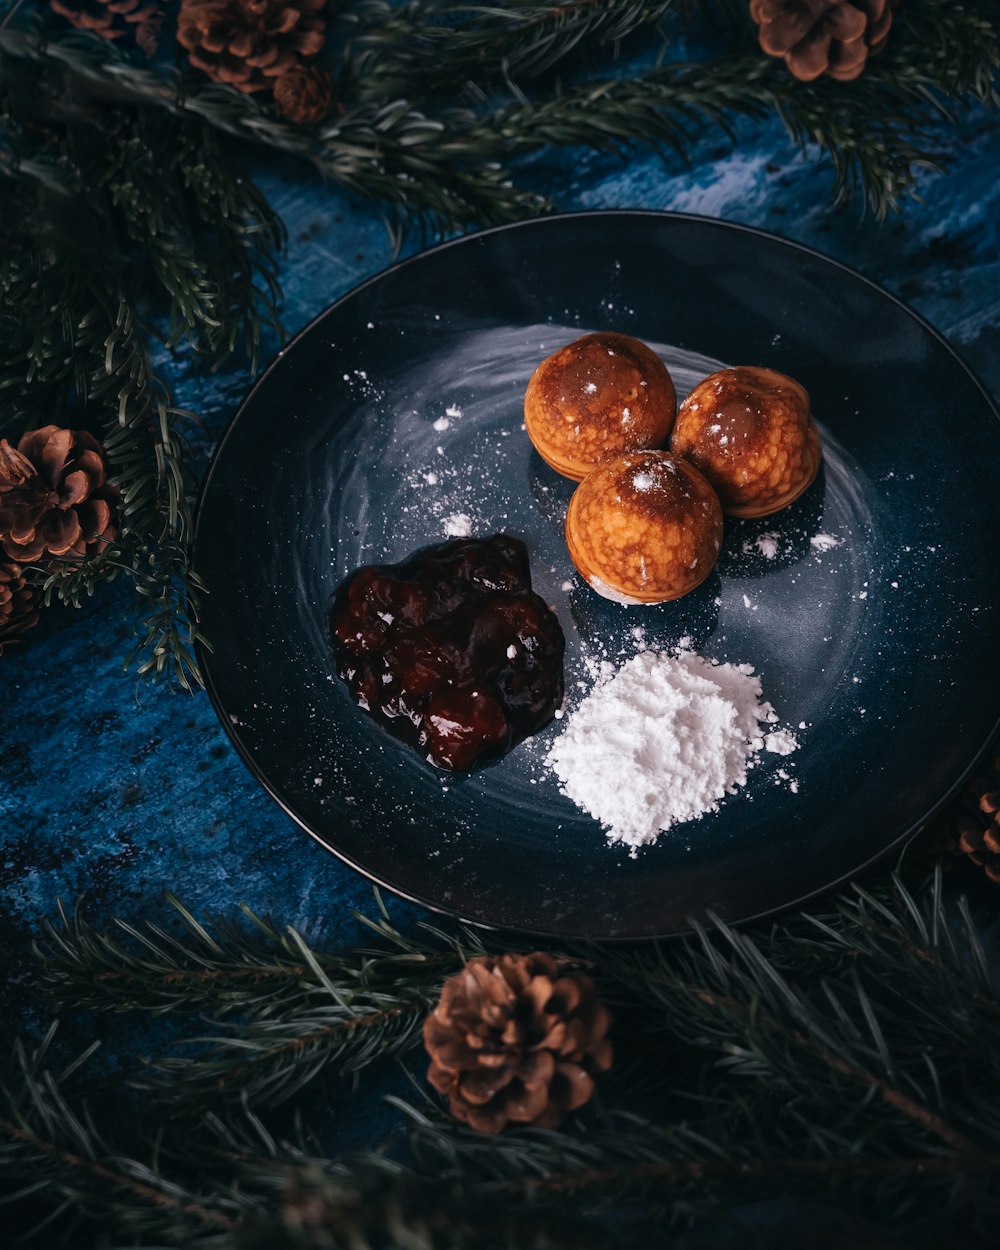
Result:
pixel 203 653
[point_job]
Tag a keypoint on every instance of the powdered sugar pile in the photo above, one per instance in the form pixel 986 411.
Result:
pixel 663 740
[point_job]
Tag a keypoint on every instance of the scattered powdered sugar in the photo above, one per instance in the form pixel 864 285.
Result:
pixel 781 742
pixel 458 525
pixel 824 542
pixel 767 544
pixel 662 740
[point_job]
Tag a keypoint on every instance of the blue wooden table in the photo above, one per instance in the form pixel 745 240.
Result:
pixel 116 791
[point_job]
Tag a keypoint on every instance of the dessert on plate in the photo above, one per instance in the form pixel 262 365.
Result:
pixel 600 395
pixel 644 527
pixel 750 431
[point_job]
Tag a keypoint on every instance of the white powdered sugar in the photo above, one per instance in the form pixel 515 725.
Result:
pixel 781 742
pixel 457 525
pixel 663 740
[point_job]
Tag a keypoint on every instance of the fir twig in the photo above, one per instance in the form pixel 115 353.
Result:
pixel 48 1145
pixel 451 167
pixel 430 46
pixel 262 972
pixel 847 1055
pixel 311 1012
pixel 164 218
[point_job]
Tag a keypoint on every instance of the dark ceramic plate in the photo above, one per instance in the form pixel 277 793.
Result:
pixel 869 607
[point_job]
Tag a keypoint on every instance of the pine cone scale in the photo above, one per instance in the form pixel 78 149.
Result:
pixel 777 38
pixel 846 23
pixel 76 487
pixel 307 43
pixel 15 469
pixel 59 532
pixel 575 1087
pixel 812 55
pixel 95 517
pixel 556 1037
pixel 526 1103
pixel 48 448
pixel 566 995
pixel 21 529
pixel 18 605
pixel 482 1086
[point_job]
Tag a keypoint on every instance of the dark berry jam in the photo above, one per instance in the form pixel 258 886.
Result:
pixel 451 650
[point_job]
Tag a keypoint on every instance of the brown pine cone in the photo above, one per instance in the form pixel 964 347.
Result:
pixel 970 824
pixel 18 605
pixel 250 43
pixel 814 37
pixel 113 18
pixel 516 1039
pixel 55 499
pixel 976 825
pixel 304 95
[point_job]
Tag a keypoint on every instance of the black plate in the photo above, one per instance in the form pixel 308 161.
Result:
pixel 396 416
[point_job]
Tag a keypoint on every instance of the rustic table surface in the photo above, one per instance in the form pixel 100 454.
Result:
pixel 116 792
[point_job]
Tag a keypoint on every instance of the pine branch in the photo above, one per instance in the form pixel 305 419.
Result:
pixel 260 971
pixel 427 47
pixel 450 168
pixel 302 1013
pixel 853 1007
pixel 848 1055
pixel 48 1145
pixel 268 1063
pixel 876 133
pixel 199 231
pixel 392 152
pixel 955 47
pixel 141 209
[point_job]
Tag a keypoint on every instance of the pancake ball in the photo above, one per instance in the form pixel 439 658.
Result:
pixel 751 433
pixel 644 527
pixel 601 395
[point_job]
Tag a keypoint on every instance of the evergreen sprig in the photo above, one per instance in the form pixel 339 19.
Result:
pixel 428 47
pixel 845 1059
pixel 116 233
pixel 407 145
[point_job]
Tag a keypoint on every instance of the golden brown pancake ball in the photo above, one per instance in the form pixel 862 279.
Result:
pixel 644 527
pixel 600 395
pixel 751 433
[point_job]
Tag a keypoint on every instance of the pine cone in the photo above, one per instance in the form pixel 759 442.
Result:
pixel 304 95
pixel 18 606
pixel 970 825
pixel 814 37
pixel 249 43
pixel 54 495
pixel 516 1039
pixel 113 18
pixel 976 825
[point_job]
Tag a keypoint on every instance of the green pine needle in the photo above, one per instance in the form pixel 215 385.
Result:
pixel 846 1058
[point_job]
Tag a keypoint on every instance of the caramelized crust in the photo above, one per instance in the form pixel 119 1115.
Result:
pixel 751 433
pixel 644 527
pixel 598 396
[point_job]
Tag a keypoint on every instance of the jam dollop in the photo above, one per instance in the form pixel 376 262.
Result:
pixel 451 650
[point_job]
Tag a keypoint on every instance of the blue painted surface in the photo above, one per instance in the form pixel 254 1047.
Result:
pixel 119 792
